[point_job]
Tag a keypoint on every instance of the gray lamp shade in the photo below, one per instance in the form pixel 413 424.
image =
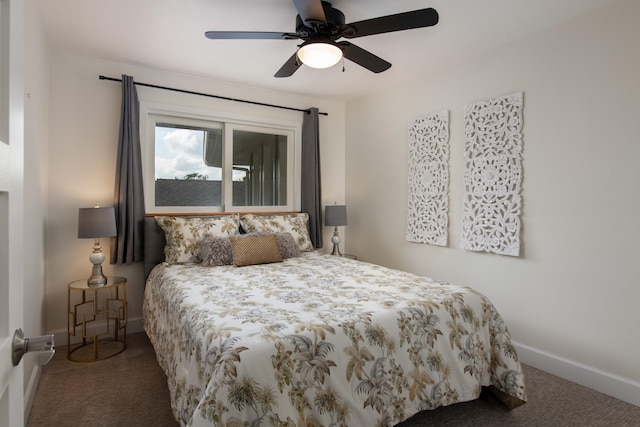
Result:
pixel 96 222
pixel 335 215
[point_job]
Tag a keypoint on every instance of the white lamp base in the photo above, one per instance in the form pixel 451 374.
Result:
pixel 97 258
pixel 335 239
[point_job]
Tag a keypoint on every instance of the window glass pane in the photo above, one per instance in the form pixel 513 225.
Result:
pixel 188 165
pixel 259 169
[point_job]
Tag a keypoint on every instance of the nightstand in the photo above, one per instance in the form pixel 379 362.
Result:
pixel 97 316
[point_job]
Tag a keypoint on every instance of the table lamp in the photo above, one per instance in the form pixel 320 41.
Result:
pixel 336 216
pixel 95 223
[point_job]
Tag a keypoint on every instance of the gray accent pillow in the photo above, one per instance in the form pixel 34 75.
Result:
pixel 215 251
pixel 288 246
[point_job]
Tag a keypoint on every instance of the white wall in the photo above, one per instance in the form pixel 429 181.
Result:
pixel 85 114
pixel 35 186
pixel 574 292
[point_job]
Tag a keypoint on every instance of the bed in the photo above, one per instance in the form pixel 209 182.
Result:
pixel 292 337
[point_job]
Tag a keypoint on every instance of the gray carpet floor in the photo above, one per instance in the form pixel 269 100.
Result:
pixel 130 390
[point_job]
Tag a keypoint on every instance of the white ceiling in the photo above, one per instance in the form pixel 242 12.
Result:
pixel 169 34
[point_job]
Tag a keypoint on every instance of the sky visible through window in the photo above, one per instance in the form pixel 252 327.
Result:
pixel 179 153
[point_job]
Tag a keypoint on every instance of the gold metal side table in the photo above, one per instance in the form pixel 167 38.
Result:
pixel 97 315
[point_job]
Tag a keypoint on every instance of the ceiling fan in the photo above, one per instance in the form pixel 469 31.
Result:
pixel 320 26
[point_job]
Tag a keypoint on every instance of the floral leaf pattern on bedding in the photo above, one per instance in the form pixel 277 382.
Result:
pixel 318 340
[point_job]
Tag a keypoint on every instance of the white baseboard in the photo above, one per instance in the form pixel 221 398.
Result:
pixel 604 382
pixel 135 326
pixel 30 390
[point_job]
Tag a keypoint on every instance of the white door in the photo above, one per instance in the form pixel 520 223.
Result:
pixel 11 206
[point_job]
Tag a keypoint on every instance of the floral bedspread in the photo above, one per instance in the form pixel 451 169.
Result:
pixel 321 341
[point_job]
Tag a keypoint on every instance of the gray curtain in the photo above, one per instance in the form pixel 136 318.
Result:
pixel 311 182
pixel 127 246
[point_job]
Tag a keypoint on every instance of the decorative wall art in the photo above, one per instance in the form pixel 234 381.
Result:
pixel 428 206
pixel 493 175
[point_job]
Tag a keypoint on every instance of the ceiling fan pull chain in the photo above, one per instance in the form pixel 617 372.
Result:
pixel 343 63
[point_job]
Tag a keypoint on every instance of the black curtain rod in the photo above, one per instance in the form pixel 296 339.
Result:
pixel 211 96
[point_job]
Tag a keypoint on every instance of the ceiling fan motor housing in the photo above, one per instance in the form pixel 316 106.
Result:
pixel 332 28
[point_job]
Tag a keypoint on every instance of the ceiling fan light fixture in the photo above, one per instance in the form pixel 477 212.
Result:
pixel 319 54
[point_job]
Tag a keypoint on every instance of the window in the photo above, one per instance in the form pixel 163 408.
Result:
pixel 207 163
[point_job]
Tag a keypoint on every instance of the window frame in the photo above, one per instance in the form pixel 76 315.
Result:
pixel 152 113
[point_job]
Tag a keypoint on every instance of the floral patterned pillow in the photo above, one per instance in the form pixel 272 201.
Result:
pixel 183 233
pixel 295 224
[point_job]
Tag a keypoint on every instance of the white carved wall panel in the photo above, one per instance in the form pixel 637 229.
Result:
pixel 428 205
pixel 493 175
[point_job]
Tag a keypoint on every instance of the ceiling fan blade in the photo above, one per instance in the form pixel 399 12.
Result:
pixel 311 12
pixel 364 58
pixel 386 24
pixel 246 35
pixel 289 67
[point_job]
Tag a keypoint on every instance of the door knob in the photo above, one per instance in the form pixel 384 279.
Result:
pixel 44 344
